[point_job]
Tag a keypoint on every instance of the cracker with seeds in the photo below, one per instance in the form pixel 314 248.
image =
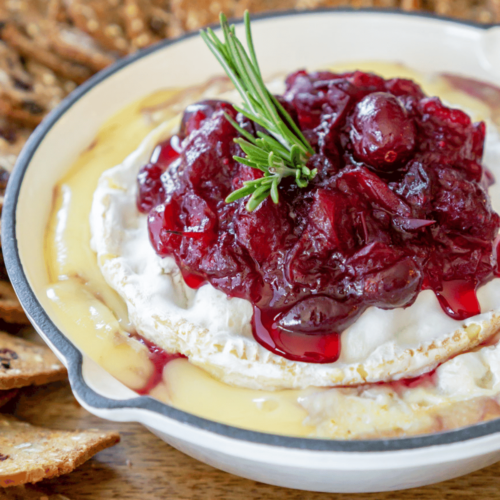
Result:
pixel 32 43
pixel 24 363
pixel 45 27
pixel 74 44
pixel 102 20
pixel 56 11
pixel 136 20
pixel 29 117
pixel 12 140
pixel 160 21
pixel 28 87
pixel 410 5
pixel 17 98
pixel 478 10
pixel 193 14
pixel 11 310
pixel 6 396
pixel 29 454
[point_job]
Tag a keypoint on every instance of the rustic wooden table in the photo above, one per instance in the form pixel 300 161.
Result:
pixel 142 467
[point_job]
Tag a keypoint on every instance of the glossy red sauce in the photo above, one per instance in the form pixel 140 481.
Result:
pixel 399 205
pixel 425 380
pixel 159 358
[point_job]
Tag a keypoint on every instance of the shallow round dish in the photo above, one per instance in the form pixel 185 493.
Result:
pixel 284 43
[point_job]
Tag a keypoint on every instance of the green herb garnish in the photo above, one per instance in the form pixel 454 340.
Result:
pixel 283 151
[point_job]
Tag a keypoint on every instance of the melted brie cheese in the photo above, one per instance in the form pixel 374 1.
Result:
pixel 465 390
pixel 462 391
pixel 214 331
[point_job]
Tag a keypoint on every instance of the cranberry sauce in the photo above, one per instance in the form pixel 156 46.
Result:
pixel 398 205
pixel 159 358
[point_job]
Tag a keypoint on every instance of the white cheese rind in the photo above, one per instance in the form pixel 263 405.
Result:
pixel 214 331
pixel 463 391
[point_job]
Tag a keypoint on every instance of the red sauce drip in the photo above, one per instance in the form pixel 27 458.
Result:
pixel 458 299
pixel 398 205
pixel 150 186
pixel 159 358
pixel 295 346
pixel 427 379
pixel 192 280
pixel 166 152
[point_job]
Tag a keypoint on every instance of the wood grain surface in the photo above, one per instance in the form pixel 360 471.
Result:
pixel 144 468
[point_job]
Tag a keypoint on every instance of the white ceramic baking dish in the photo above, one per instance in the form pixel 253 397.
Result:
pixel 284 43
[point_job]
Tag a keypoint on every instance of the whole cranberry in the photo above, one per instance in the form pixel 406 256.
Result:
pixel 195 114
pixel 150 189
pixel 383 135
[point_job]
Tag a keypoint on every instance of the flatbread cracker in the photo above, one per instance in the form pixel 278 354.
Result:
pixel 17 96
pixel 6 396
pixel 11 310
pixel 480 10
pixel 12 140
pixel 411 4
pixel 22 116
pixel 56 11
pixel 28 90
pixel 137 28
pixel 29 454
pixel 102 21
pixel 24 363
pixel 78 46
pixel 160 22
pixel 193 14
pixel 31 48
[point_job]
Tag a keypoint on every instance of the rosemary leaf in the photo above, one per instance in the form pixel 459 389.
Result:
pixel 239 193
pixel 248 136
pixel 274 192
pixel 283 151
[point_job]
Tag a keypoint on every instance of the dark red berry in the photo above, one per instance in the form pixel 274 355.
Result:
pixel 382 134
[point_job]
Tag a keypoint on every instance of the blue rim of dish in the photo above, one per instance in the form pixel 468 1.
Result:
pixel 72 355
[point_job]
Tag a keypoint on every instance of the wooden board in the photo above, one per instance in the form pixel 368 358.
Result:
pixel 143 467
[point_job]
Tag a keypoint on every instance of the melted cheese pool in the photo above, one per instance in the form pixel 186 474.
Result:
pixel 95 318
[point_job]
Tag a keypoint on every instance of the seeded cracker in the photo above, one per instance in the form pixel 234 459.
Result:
pixel 136 25
pixel 10 308
pixel 29 454
pixel 36 47
pixel 101 19
pixel 12 139
pixel 23 363
pixel 78 46
pixel 6 396
pixel 193 14
pixel 17 99
pixel 56 11
pixel 484 11
pixel 160 21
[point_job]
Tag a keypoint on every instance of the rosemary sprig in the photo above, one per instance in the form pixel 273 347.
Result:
pixel 281 152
